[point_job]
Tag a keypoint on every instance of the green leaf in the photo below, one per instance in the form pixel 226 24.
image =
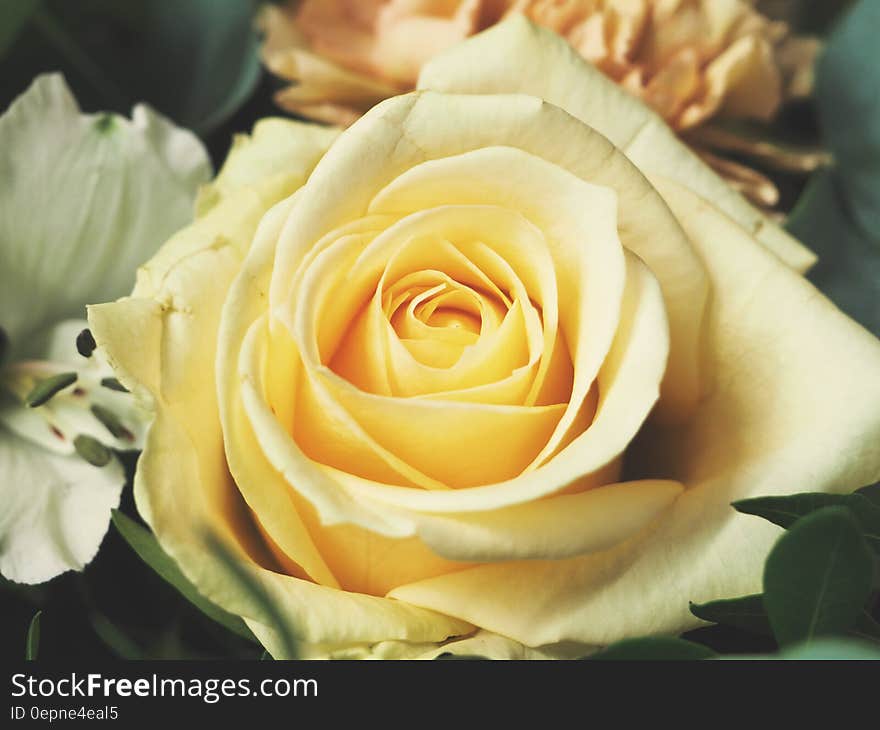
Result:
pixel 848 271
pixel 116 640
pixel 13 18
pixel 249 585
pixel 839 214
pixel 818 577
pixel 786 511
pixel 871 492
pixel 218 46
pixel 195 61
pixel 835 649
pixel 848 77
pixel 657 648
pixel 32 645
pixel 867 627
pixel 149 550
pixel 746 613
pixel 816 17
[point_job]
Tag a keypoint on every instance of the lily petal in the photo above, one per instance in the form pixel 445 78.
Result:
pixel 55 509
pixel 85 199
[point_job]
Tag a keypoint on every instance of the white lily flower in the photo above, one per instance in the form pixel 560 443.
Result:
pixel 84 200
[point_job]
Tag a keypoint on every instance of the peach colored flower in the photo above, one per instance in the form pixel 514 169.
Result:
pixel 692 61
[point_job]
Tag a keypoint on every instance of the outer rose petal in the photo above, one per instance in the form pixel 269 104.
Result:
pixel 795 405
pixel 517 56
pixel 162 344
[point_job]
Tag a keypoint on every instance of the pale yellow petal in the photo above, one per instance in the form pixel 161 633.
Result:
pixel 795 406
pixel 518 56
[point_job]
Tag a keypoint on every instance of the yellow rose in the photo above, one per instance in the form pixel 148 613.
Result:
pixel 489 381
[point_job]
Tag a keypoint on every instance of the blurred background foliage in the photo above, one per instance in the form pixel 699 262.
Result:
pixel 196 61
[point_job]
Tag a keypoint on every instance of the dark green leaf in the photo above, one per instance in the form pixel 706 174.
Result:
pixel 250 586
pixel 195 61
pixel 746 613
pixel 817 16
pixel 785 511
pixel 871 492
pixel 866 627
pixel 848 77
pixel 116 640
pixel 848 270
pixel 653 648
pixel 818 576
pixel 149 550
pixel 217 44
pixel 14 15
pixel 32 645
pixel 839 214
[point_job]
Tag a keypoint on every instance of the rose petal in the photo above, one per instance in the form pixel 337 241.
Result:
pixel 492 63
pixel 773 338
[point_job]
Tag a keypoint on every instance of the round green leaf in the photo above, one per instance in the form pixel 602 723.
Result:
pixel 818 577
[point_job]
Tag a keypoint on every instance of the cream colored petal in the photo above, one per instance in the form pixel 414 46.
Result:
pixel 263 488
pixel 401 133
pixel 552 528
pixel 275 149
pixel 182 485
pixel 628 385
pixel 518 56
pixel 493 247
pixel 579 224
pixel 795 406
pixel 164 348
pixel 282 154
